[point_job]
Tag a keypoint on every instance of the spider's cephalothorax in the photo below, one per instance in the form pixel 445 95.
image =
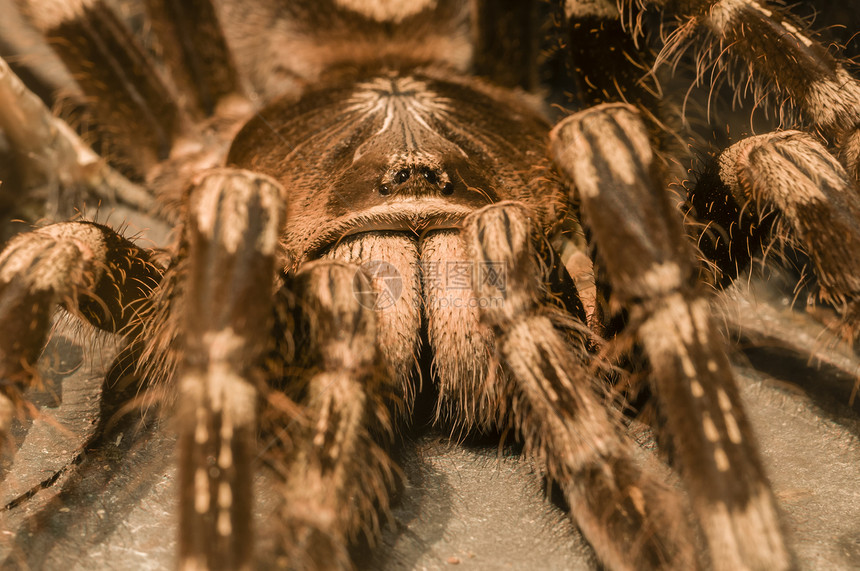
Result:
pixel 385 210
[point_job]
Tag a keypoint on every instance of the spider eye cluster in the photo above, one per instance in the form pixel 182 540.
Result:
pixel 419 177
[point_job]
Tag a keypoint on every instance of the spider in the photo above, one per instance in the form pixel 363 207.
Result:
pixel 371 214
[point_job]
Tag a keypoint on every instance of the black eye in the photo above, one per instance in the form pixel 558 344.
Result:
pixel 448 188
pixel 384 190
pixel 430 176
pixel 402 176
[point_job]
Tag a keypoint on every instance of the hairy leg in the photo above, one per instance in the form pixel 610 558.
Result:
pixel 776 55
pixel 87 268
pixel 133 105
pixel 51 159
pixel 195 50
pixel 631 519
pixel 606 154
pixel 223 317
pixel 337 475
pixel 785 187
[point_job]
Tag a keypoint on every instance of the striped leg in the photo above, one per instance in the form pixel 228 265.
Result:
pixel 632 520
pixel 195 50
pixel 46 150
pixel 140 117
pixel 793 191
pixel 138 113
pixel 606 154
pixel 87 268
pixel 337 477
pixel 763 40
pixel 231 238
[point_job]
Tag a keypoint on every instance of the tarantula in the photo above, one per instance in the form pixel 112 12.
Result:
pixel 384 208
